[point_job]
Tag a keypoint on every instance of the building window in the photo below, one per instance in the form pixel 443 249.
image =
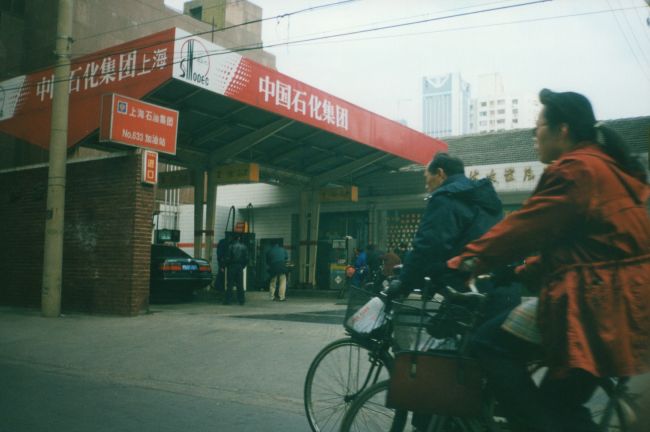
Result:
pixel 501 111
pixel 483 104
pixel 515 101
pixel 501 102
pixel 501 121
pixel 515 121
pixel 515 111
pixel 483 123
pixel 491 103
pixel 197 12
pixel 482 113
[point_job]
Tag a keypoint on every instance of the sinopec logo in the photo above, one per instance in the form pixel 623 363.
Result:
pixel 195 63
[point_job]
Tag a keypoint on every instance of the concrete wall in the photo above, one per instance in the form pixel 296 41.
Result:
pixel 107 239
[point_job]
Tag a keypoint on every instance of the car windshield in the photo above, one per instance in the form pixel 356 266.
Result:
pixel 162 251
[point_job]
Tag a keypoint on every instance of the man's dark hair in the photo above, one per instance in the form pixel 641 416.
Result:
pixel 450 165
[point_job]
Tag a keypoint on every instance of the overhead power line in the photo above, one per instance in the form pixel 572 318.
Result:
pixel 393 20
pixel 221 29
pixel 262 46
pixel 629 43
pixel 477 26
pixel 326 37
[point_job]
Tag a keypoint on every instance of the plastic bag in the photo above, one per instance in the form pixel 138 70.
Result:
pixel 369 317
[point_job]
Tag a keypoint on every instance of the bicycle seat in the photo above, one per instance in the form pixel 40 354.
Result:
pixel 470 299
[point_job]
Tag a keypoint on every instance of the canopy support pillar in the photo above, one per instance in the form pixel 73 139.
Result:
pixel 199 195
pixel 309 217
pixel 210 215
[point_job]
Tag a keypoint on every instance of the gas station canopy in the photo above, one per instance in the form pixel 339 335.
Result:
pixel 232 109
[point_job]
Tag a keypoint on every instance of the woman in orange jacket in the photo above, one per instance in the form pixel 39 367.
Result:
pixel 588 224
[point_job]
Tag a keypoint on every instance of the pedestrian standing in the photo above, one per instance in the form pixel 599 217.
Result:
pixel 222 262
pixel 276 259
pixel 237 262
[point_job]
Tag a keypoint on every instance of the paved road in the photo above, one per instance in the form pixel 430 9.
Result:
pixel 195 367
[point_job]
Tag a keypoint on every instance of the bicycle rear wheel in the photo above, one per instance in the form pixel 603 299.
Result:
pixel 368 412
pixel 336 376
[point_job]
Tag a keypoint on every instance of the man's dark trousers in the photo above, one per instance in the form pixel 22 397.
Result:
pixel 235 278
pixel 556 406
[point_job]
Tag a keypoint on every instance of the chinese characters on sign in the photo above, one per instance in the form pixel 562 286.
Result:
pixel 331 194
pixel 117 67
pixel 238 173
pixel 133 122
pixel 528 174
pixel 492 176
pixel 507 174
pixel 321 109
pixel 149 167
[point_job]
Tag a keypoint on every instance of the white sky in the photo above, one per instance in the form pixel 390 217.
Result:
pixel 605 56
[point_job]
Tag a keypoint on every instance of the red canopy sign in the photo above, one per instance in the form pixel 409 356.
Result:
pixel 134 68
pixel 138 67
pixel 209 66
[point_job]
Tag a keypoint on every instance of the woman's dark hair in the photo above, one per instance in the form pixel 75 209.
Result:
pixel 449 164
pixel 576 112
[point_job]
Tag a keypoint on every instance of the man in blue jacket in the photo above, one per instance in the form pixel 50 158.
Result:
pixel 458 211
pixel 276 259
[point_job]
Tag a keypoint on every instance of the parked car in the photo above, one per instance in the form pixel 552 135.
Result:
pixel 175 275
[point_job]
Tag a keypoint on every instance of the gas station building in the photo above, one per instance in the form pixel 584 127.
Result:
pixel 238 122
pixel 263 153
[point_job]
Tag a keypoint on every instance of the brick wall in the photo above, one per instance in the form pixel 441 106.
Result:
pixel 107 236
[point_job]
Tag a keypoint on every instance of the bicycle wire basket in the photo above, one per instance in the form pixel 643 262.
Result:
pixel 365 314
pixel 409 319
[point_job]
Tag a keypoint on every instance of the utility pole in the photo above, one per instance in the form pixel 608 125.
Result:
pixel 53 247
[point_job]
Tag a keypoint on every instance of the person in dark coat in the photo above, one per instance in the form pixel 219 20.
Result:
pixel 587 225
pixel 237 262
pixel 458 210
pixel 222 263
pixel 276 260
pixel 374 263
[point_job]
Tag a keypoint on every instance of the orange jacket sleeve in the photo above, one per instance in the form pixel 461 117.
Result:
pixel 551 214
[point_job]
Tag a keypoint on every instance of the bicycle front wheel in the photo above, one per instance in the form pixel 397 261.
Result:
pixel 368 412
pixel 336 376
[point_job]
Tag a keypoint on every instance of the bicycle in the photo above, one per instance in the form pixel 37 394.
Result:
pixel 346 367
pixel 369 411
